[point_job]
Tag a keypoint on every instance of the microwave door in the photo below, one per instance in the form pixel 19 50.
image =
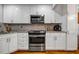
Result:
pixel 37 19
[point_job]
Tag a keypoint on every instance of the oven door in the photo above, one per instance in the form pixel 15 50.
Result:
pixel 37 47
pixel 36 40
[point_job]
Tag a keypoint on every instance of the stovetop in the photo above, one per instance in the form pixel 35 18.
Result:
pixel 37 31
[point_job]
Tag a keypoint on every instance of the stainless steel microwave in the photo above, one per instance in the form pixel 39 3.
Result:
pixel 37 19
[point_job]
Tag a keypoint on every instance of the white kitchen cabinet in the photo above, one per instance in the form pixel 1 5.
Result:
pixel 8 43
pixel 47 11
pixel 12 43
pixel 72 27
pixel 1 11
pixel 60 41
pixel 16 14
pixel 55 41
pixel 9 13
pixel 49 17
pixel 50 41
pixel 3 45
pixel 57 17
pixel 71 41
pixel 34 10
pixel 64 23
pixel 23 42
pixel 21 13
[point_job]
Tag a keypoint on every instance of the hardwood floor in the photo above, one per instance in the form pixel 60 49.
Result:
pixel 48 52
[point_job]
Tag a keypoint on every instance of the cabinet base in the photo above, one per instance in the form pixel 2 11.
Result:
pixel 19 51
pixel 61 50
pixel 44 51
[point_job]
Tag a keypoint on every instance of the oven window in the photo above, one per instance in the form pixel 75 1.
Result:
pixel 36 40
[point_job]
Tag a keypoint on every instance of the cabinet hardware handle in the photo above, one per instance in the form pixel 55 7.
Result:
pixel 7 40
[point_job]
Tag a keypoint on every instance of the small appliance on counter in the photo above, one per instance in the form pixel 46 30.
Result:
pixel 57 27
pixel 7 28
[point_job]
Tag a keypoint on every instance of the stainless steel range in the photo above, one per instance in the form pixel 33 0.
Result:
pixel 37 40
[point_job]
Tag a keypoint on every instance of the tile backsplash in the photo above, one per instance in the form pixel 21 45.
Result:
pixel 28 27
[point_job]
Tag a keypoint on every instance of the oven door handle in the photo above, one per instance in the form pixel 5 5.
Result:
pixel 36 35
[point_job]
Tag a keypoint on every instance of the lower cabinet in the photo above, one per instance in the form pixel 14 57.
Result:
pixel 23 41
pixel 50 41
pixel 55 41
pixel 3 45
pixel 8 43
pixel 12 43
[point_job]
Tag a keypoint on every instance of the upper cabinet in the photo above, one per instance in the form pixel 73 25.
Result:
pixel 1 13
pixel 47 11
pixel 72 27
pixel 21 13
pixel 16 14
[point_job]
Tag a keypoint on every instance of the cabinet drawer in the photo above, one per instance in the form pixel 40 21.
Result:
pixel 22 43
pixel 22 38
pixel 22 34
pixel 23 46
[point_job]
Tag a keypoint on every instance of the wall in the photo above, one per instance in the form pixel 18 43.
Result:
pixel 61 9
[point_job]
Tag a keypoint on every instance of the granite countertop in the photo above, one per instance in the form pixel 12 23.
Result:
pixel 27 32
pixel 57 31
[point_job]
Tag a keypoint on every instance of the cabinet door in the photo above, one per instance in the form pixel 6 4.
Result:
pixel 16 14
pixel 72 41
pixel 12 43
pixel 1 13
pixel 5 47
pixel 60 41
pixel 50 41
pixel 72 27
pixel 48 12
pixel 49 17
pixel 33 9
pixel 64 23
pixel 1 44
pixel 23 41
pixel 45 10
pixel 9 13
pixel 22 14
pixel 57 17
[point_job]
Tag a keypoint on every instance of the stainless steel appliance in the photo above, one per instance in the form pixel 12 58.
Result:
pixel 37 19
pixel 37 40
